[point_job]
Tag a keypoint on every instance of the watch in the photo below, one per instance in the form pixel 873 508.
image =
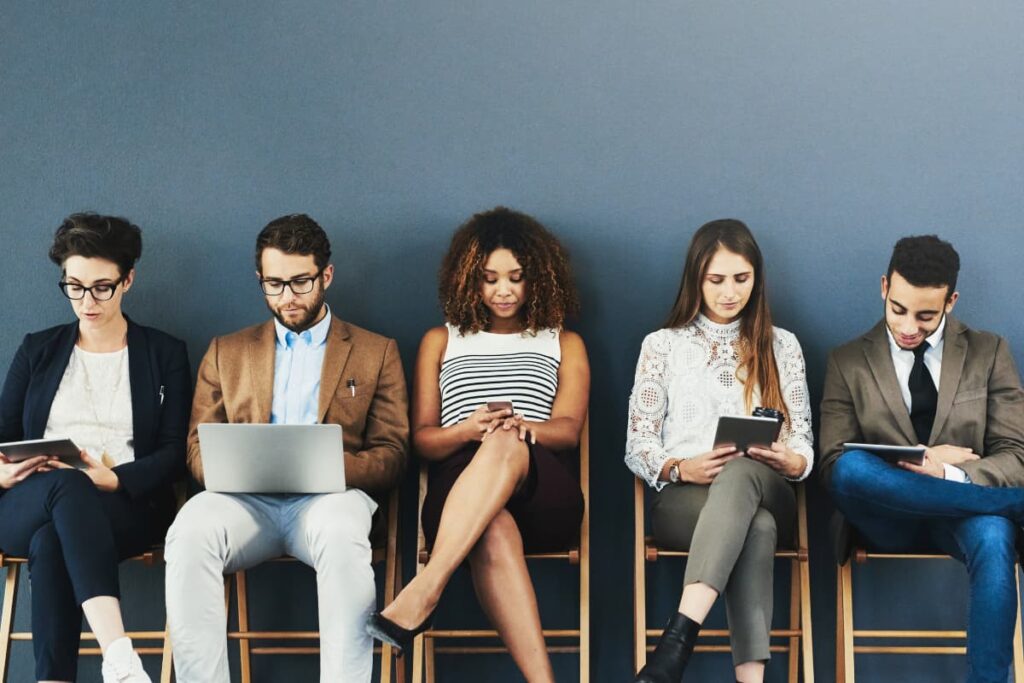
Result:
pixel 673 473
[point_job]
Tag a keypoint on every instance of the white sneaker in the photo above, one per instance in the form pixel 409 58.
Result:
pixel 121 664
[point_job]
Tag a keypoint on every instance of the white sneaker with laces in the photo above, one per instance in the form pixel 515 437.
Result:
pixel 121 664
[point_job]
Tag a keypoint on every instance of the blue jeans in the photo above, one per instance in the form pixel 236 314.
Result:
pixel 899 511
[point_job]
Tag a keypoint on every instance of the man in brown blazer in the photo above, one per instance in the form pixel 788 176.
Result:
pixel 922 377
pixel 304 366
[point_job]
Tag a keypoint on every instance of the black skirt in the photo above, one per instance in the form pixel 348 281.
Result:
pixel 547 508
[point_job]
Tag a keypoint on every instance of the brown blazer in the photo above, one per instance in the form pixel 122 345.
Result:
pixel 236 384
pixel 980 406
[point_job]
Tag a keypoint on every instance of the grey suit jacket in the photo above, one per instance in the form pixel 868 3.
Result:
pixel 981 404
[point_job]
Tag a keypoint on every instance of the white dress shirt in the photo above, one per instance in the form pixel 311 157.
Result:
pixel 903 362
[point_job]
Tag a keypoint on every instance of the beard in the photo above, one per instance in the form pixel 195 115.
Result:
pixel 310 313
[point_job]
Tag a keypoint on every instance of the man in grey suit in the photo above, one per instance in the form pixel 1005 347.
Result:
pixel 922 377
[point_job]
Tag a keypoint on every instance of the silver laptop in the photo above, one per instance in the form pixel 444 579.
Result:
pixel 265 458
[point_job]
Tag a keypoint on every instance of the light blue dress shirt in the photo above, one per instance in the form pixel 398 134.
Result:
pixel 298 361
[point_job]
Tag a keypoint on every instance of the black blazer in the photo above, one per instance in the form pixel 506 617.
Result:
pixel 161 388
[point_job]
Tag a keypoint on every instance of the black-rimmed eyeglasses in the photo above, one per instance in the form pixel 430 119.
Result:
pixel 101 292
pixel 298 285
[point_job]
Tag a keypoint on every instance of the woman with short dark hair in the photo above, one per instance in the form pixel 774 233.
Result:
pixel 122 393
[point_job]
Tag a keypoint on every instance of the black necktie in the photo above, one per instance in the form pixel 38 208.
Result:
pixel 923 396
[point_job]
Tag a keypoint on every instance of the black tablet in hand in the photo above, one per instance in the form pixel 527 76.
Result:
pixel 744 432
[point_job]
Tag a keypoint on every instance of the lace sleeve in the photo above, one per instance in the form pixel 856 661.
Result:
pixel 793 377
pixel 648 405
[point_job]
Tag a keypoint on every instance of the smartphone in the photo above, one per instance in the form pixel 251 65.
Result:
pixel 495 406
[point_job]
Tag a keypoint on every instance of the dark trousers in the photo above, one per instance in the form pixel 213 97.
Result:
pixel 900 511
pixel 74 536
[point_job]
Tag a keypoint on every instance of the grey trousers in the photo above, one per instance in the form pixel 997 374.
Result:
pixel 731 529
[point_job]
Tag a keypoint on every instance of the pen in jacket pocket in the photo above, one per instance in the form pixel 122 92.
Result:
pixel 161 394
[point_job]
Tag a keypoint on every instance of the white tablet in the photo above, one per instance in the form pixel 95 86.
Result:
pixel 265 458
pixel 892 454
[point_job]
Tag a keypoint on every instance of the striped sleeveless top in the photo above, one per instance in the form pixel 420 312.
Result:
pixel 484 366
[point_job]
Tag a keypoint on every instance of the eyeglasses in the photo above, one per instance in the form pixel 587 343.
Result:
pixel 298 285
pixel 100 292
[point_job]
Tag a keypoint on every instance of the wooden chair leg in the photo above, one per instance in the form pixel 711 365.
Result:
pixel 167 661
pixel 806 629
pixel 418 653
pixel 639 580
pixel 1018 641
pixel 585 612
pixel 397 586
pixel 429 647
pixel 794 621
pixel 7 619
pixel 242 595
pixel 844 623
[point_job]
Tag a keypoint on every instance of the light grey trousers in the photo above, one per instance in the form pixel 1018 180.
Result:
pixel 219 533
pixel 731 529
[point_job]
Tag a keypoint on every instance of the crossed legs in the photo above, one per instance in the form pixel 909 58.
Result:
pixel 74 537
pixel 730 529
pixel 897 510
pixel 475 525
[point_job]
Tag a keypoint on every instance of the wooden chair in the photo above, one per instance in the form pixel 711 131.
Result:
pixel 797 636
pixel 388 553
pixel 846 635
pixel 7 635
pixel 424 647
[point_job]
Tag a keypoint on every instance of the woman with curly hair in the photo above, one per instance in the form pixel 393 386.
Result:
pixel 501 479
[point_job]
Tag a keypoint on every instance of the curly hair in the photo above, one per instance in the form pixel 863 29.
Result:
pixel 550 292
pixel 91 235
pixel 925 261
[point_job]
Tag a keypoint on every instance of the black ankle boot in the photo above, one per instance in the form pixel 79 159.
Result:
pixel 668 661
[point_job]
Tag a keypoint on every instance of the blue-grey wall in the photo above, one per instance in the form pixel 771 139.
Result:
pixel 831 127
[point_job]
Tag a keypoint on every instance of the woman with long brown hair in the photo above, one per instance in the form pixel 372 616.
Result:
pixel 718 354
pixel 499 400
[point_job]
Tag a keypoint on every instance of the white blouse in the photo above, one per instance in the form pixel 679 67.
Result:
pixel 686 379
pixel 93 406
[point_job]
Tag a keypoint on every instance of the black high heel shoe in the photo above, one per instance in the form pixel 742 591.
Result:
pixel 387 631
pixel 668 661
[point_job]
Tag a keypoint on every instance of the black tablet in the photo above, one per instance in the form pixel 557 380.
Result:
pixel 892 454
pixel 744 432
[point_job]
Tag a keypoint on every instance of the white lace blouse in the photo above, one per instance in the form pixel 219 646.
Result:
pixel 686 379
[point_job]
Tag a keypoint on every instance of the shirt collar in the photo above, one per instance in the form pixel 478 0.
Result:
pixel 317 333
pixel 934 340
